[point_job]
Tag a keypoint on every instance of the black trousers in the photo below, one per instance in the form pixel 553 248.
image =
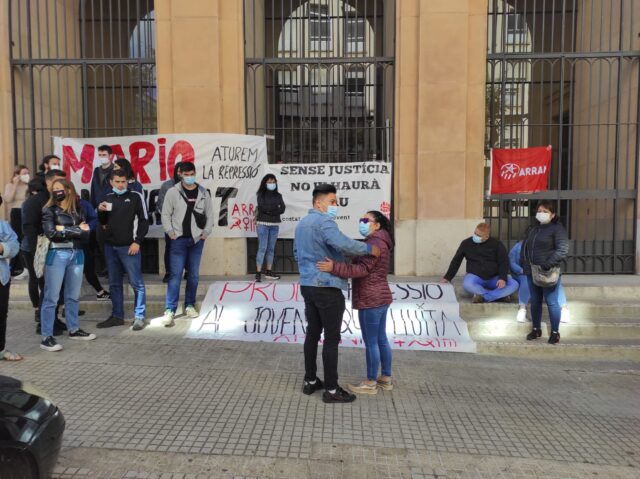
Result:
pixel 90 262
pixel 4 309
pixel 167 253
pixel 324 308
pixel 36 285
pixel 15 220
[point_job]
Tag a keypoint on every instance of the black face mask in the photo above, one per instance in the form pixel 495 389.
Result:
pixel 59 195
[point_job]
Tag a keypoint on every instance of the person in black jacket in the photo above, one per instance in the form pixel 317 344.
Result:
pixel 63 222
pixel 31 228
pixel 546 245
pixel 124 219
pixel 270 207
pixel 487 276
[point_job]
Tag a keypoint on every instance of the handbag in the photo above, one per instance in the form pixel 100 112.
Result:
pixel 545 278
pixel 201 218
pixel 40 257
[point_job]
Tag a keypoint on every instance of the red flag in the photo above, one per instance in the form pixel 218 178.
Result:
pixel 520 170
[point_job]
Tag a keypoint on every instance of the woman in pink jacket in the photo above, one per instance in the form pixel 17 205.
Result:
pixel 371 297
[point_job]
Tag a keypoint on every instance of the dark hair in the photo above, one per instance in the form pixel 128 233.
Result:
pixel 106 148
pixel 384 222
pixel 263 183
pixel 549 205
pixel 18 168
pixel 176 171
pixel 323 189
pixel 119 174
pixel 51 174
pixel 186 166
pixel 125 166
pixel 36 185
pixel 46 160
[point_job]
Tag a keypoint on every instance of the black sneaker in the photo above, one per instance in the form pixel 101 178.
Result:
pixel 50 344
pixel 258 277
pixel 554 338
pixel 477 299
pixel 166 278
pixel 103 296
pixel 271 275
pixel 340 396
pixel 83 335
pixel 110 322
pixel 534 334
pixel 309 388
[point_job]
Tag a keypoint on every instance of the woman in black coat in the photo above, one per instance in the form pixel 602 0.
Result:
pixel 270 207
pixel 546 245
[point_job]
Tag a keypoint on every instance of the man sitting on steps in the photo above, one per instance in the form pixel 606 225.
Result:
pixel 487 276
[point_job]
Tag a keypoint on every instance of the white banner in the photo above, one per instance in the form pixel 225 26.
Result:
pixel 231 167
pixel 423 316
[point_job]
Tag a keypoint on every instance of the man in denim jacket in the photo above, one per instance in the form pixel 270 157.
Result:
pixel 317 238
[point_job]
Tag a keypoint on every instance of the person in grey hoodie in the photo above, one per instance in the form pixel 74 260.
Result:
pixel 187 218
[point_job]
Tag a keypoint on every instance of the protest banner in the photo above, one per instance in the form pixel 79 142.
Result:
pixel 520 170
pixel 423 316
pixel 231 167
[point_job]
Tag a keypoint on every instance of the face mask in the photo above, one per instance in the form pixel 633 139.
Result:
pixel 543 218
pixel 119 192
pixel 364 229
pixel 25 178
pixel 332 211
pixel 476 239
pixel 59 195
pixel 271 186
pixel 104 161
pixel 189 180
pixel 54 167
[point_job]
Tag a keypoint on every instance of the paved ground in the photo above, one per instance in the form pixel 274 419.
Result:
pixel 155 405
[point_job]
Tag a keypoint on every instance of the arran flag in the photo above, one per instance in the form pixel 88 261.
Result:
pixel 520 170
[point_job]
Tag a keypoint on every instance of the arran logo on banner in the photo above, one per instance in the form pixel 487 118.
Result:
pixel 520 170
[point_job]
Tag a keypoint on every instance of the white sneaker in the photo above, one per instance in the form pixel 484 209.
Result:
pixel 191 312
pixel 167 319
pixel 565 315
pixel 22 276
pixel 522 315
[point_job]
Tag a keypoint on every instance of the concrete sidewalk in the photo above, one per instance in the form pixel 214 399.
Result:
pixel 153 404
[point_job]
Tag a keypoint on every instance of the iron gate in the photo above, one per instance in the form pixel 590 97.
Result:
pixel 319 79
pixel 82 68
pixel 565 73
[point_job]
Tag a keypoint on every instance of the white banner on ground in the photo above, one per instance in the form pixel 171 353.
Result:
pixel 231 167
pixel 423 316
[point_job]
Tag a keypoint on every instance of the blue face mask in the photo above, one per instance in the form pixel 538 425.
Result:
pixel 119 192
pixel 364 229
pixel 189 180
pixel 271 186
pixel 476 239
pixel 332 211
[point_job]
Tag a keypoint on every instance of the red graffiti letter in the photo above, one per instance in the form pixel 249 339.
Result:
pixel 138 162
pixel 70 161
pixel 183 149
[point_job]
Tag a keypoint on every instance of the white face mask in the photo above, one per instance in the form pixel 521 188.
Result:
pixel 54 167
pixel 104 161
pixel 543 218
pixel 25 178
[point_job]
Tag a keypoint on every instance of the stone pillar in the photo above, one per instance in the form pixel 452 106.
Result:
pixel 200 67
pixel 439 129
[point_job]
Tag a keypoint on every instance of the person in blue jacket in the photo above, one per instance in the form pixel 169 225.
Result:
pixel 524 293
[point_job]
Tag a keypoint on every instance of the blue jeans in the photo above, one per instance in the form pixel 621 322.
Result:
pixel 550 296
pixel 62 265
pixel 267 237
pixel 524 294
pixel 373 324
pixel 488 288
pixel 119 262
pixel 184 252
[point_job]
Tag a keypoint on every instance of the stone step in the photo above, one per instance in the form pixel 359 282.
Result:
pixel 605 350
pixel 579 310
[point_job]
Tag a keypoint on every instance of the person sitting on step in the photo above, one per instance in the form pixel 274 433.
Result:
pixel 487 276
